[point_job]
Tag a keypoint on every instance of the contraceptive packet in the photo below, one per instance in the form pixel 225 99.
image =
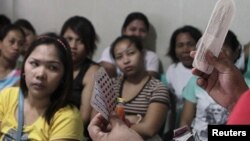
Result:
pixel 215 33
pixel 104 97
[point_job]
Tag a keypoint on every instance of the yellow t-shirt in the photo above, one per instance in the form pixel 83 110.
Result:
pixel 65 124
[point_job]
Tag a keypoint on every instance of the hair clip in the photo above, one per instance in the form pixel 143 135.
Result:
pixel 56 39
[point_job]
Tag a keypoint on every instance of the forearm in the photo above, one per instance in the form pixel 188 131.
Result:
pixel 188 113
pixel 184 122
pixel 237 91
pixel 186 119
pixel 145 130
pixel 86 115
pixel 152 122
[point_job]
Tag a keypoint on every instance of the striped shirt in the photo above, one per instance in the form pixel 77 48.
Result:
pixel 153 91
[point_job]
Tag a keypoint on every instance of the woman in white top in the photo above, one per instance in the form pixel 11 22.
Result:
pixel 182 42
pixel 135 24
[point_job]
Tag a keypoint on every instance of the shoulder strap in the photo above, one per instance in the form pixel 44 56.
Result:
pixel 20 116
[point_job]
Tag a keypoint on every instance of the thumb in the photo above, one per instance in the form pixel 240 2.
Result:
pixel 115 121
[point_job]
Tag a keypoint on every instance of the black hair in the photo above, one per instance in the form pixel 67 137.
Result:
pixel 4 20
pixel 23 23
pixel 85 30
pixel 10 27
pixel 132 39
pixel 194 33
pixel 232 41
pixel 60 96
pixel 135 16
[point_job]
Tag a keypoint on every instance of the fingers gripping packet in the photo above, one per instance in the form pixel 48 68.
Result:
pixel 215 34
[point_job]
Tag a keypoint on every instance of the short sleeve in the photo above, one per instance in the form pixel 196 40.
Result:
pixel 67 123
pixel 106 56
pixel 1 106
pixel 189 90
pixel 152 61
pixel 8 97
pixel 160 94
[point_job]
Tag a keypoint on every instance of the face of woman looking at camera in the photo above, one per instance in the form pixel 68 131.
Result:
pixel 128 57
pixel 11 45
pixel 136 28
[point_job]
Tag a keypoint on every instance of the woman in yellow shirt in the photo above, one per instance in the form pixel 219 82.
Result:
pixel 44 91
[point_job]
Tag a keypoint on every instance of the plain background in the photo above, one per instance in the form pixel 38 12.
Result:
pixel 108 16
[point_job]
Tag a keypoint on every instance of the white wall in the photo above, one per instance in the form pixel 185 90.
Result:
pixel 108 16
pixel 6 7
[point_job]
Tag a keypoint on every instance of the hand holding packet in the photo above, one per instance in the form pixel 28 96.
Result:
pixel 215 33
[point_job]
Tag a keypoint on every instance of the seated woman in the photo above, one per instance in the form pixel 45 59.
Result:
pixel 135 24
pixel 81 36
pixel 30 36
pixel 200 109
pixel 30 33
pixel 39 109
pixel 11 42
pixel 182 42
pixel 146 98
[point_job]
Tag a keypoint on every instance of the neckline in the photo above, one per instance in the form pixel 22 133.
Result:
pixel 9 75
pixel 142 88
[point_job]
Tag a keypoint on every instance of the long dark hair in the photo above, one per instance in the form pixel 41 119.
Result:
pixel 85 30
pixel 60 96
pixel 194 33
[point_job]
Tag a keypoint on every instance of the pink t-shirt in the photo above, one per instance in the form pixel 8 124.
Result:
pixel 241 112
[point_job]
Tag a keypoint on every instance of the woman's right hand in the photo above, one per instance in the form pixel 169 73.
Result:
pixel 119 130
pixel 225 84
